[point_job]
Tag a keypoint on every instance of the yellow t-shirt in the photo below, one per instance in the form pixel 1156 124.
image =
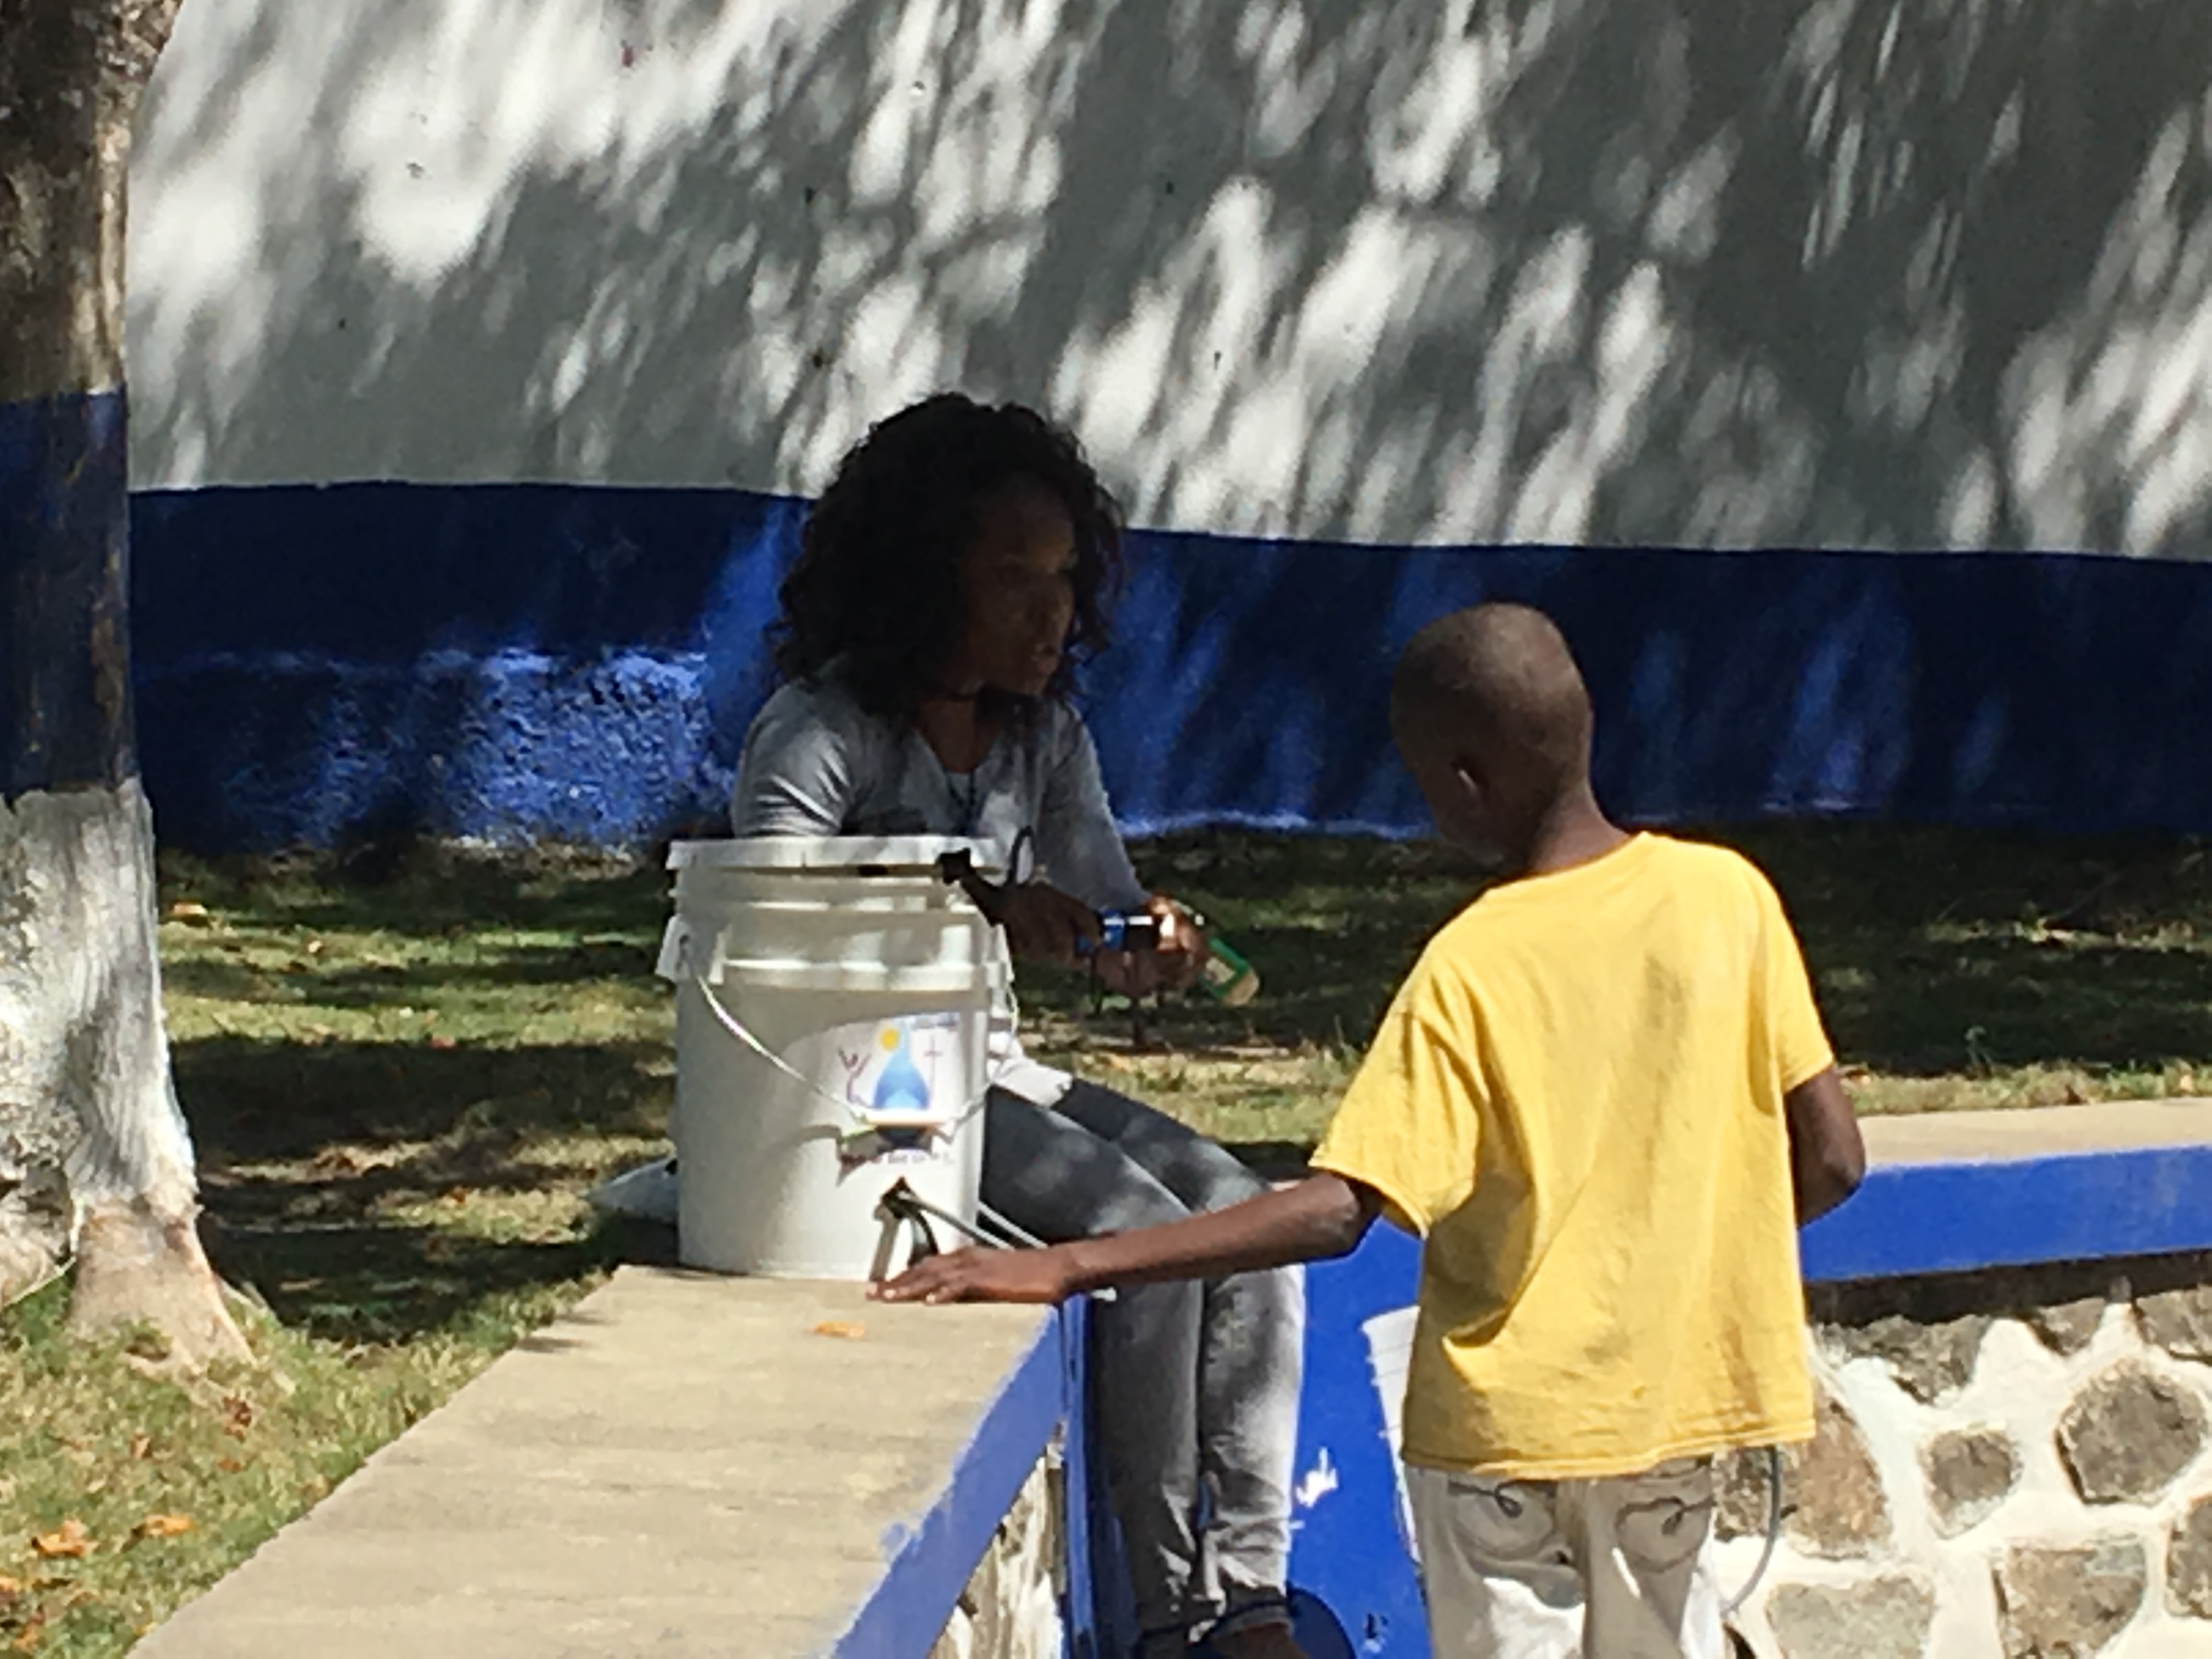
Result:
pixel 1576 1100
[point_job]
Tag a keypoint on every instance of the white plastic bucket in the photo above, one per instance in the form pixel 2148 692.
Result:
pixel 834 998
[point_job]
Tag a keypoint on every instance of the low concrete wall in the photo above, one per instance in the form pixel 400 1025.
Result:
pixel 2015 1455
pixel 994 1568
pixel 689 1465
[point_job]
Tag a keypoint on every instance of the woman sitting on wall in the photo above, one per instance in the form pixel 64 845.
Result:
pixel 949 583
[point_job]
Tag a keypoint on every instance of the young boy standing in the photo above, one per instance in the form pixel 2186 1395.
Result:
pixel 1604 1100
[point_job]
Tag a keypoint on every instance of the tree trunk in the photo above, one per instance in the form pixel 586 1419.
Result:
pixel 94 1152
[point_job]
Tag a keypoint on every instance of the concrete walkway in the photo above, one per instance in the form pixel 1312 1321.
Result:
pixel 2116 1125
pixel 684 1465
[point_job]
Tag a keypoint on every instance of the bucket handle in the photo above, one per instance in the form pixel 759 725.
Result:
pixel 958 869
pixel 869 1122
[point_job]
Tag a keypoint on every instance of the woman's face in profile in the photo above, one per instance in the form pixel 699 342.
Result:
pixel 1018 578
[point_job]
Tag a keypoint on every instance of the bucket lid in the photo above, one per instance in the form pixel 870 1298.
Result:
pixel 885 853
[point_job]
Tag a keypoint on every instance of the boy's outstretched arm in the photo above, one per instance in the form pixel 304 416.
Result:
pixel 1322 1215
pixel 1827 1158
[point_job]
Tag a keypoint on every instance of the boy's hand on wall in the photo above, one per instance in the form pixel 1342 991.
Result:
pixel 978 1275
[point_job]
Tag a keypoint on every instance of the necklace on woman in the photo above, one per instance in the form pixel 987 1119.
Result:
pixel 965 787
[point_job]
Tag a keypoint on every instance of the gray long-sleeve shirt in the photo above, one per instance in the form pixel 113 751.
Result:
pixel 817 764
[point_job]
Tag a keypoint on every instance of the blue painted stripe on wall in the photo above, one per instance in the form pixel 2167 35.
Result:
pixel 520 660
pixel 1915 1218
pixel 1348 1547
pixel 611 750
pixel 65 638
pixel 1954 1217
pixel 929 1567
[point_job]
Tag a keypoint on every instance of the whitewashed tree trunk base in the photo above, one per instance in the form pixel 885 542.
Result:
pixel 85 1090
pixel 136 1267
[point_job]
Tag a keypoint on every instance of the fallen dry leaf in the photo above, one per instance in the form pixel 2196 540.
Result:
pixel 142 1446
pixel 229 1466
pixel 68 1542
pixel 32 1635
pixel 237 1415
pixel 845 1330
pixel 163 1526
pixel 10 1588
pixel 186 911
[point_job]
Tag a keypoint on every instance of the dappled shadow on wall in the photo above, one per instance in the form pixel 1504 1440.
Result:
pixel 1711 273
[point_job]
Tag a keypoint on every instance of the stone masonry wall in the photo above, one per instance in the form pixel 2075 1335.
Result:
pixel 2015 1464
pixel 1012 1607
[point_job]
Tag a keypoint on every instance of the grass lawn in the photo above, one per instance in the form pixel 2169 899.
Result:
pixel 401 1088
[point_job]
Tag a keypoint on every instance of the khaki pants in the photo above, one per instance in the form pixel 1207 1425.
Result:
pixel 1611 1569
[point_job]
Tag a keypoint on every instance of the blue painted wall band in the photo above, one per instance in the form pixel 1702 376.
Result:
pixel 910 1605
pixel 65 694
pixel 1955 1217
pixel 513 661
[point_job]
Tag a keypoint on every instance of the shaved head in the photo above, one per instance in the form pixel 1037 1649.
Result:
pixel 1497 684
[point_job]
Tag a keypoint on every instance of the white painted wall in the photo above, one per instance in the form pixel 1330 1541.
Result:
pixel 1885 273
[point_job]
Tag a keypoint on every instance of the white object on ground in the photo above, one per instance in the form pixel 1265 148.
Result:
pixel 647 1191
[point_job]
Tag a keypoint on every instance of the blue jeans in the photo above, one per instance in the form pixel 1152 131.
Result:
pixel 1196 1384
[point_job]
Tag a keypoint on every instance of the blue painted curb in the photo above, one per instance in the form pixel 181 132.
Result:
pixel 931 1566
pixel 1919 1219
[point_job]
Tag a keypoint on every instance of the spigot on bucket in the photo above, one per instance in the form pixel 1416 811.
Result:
pixel 900 1207
pixel 958 869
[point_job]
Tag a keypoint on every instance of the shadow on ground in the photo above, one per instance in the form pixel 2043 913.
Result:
pixel 1936 952
pixel 375 1178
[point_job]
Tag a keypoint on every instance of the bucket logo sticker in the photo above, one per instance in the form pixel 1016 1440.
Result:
pixel 896 1074
pixel 900 1087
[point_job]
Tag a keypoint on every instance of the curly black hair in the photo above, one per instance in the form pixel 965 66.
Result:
pixel 877 583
